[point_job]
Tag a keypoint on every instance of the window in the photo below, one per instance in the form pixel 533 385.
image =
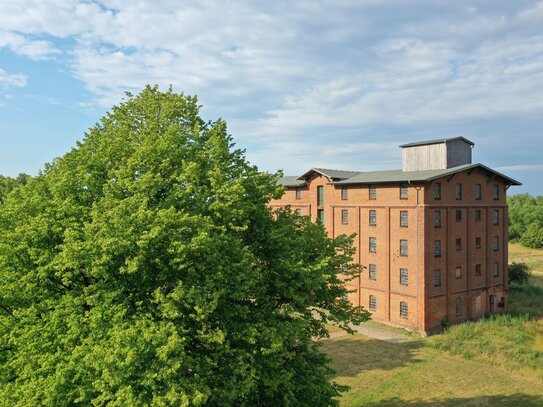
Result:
pixel 403 191
pixel 496 270
pixel 458 191
pixel 458 215
pixel 373 303
pixel 320 195
pixel 496 192
pixel 458 306
pixel 437 278
pixel 373 244
pixel 298 192
pixel 373 191
pixel 345 216
pixel 403 310
pixel 344 192
pixel 437 248
pixel 496 243
pixel 478 192
pixel 477 215
pixel 298 212
pixel 404 277
pixel 403 248
pixel 477 242
pixel 437 190
pixel 404 220
pixel 320 215
pixel 458 272
pixel 477 269
pixel 495 217
pixel 373 217
pixel 458 244
pixel 437 219
pixel 373 272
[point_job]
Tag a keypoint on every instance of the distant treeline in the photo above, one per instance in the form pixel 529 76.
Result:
pixel 8 184
pixel 526 219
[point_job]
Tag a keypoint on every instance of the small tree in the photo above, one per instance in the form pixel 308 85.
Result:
pixel 145 268
pixel 519 273
pixel 533 237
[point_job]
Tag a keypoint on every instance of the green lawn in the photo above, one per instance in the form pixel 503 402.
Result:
pixel 493 362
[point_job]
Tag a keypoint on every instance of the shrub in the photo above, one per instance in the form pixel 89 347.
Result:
pixel 519 273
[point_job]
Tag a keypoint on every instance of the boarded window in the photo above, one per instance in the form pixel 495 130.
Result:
pixel 373 244
pixel 458 215
pixel 373 303
pixel 320 195
pixel 437 278
pixel 437 190
pixel 373 271
pixel 404 218
pixel 458 306
pixel 458 191
pixel 496 270
pixel 373 217
pixel 403 191
pixel 437 248
pixel 437 219
pixel 458 272
pixel 404 277
pixel 373 191
pixel 345 216
pixel 496 243
pixel 344 192
pixel 403 248
pixel 496 192
pixel 403 310
pixel 320 215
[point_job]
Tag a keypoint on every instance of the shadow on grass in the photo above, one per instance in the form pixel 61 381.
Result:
pixel 526 300
pixel 352 355
pixel 520 400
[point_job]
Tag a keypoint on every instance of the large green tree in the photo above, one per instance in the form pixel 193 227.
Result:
pixel 144 268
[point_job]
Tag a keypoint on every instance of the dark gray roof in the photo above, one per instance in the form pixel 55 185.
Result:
pixel 376 177
pixel 436 141
pixel 334 174
pixel 290 181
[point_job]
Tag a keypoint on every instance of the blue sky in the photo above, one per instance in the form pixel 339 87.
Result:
pixel 331 83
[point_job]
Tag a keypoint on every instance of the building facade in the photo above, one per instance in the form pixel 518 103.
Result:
pixel 432 237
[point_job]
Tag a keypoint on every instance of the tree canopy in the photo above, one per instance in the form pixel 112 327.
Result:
pixel 144 268
pixel 526 219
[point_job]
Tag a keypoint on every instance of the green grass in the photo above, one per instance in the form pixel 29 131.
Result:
pixel 413 373
pixel 532 257
pixel 492 362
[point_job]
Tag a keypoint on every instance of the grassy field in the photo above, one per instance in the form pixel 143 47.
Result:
pixel 492 362
pixel 532 257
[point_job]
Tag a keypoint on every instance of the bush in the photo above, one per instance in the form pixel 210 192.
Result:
pixel 519 273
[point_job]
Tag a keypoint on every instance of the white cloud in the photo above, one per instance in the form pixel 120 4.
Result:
pixel 321 73
pixel 8 79
pixel 33 49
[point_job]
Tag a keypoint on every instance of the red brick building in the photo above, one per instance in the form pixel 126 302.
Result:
pixel 431 236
